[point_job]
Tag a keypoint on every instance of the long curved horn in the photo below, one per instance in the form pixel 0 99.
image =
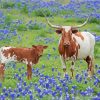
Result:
pixel 51 25
pixel 79 26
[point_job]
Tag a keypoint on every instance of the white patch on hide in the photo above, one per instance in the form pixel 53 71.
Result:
pixel 67 28
pixel 31 63
pixel 7 59
pixel 25 61
pixel 86 45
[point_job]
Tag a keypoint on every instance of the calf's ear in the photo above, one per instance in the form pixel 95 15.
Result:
pixel 45 47
pixel 34 46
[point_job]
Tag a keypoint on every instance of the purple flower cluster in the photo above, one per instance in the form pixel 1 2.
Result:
pixel 53 87
pixel 75 8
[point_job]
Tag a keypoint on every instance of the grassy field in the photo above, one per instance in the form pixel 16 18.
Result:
pixel 50 58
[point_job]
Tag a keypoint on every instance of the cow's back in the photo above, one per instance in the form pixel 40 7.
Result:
pixel 86 44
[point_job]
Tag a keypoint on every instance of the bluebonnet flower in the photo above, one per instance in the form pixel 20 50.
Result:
pixel 74 86
pixel 95 98
pixel 67 97
pixel 9 89
pixel 47 85
pixel 13 95
pixel 98 71
pixel 31 97
pixel 43 66
pixel 20 88
pixel 25 83
pixel 22 75
pixel 72 91
pixel 67 77
pixel 6 31
pixel 6 94
pixel 83 93
pixel 53 69
pixel 59 74
pixel 19 69
pixel 58 88
pixel 0 85
pixel 24 93
pixel 54 93
pixel 73 98
pixel 4 89
pixel 66 89
pixel 14 32
pixel 90 90
pixel 38 90
pixel 19 78
pixel 85 81
pixel 98 94
pixel 1 14
pixel 96 81
pixel 27 88
pixel 54 48
pixel 77 75
pixel 18 95
pixel 2 96
pixel 48 56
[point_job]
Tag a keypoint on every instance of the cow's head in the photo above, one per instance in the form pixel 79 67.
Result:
pixel 66 32
pixel 39 49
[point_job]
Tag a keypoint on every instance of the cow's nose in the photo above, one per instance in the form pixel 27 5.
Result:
pixel 66 44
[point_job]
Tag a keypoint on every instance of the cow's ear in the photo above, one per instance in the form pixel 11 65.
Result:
pixel 45 47
pixel 34 46
pixel 59 31
pixel 74 30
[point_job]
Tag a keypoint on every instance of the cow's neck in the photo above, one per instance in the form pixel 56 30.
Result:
pixel 36 56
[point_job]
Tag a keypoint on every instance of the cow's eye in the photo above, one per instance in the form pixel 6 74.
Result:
pixel 58 31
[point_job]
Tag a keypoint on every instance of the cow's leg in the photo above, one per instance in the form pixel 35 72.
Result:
pixel 29 72
pixel 92 67
pixel 63 65
pixel 2 71
pixel 72 68
pixel 90 63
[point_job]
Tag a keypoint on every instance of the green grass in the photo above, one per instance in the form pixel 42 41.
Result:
pixel 28 40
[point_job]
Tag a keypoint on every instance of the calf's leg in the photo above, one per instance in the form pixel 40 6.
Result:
pixel 29 72
pixel 2 71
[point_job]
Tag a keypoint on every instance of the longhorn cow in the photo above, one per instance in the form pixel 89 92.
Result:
pixel 75 45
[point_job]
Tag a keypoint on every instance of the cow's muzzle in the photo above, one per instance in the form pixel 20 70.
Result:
pixel 66 44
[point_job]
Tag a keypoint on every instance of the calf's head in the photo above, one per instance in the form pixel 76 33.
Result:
pixel 39 49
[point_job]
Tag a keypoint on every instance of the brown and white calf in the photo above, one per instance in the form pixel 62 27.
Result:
pixel 75 45
pixel 29 56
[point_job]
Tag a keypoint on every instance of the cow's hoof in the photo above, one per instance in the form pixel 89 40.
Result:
pixel 65 74
pixel 72 77
pixel 89 75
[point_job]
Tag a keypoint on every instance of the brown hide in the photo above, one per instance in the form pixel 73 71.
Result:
pixel 79 35
pixel 68 51
pixel 23 53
